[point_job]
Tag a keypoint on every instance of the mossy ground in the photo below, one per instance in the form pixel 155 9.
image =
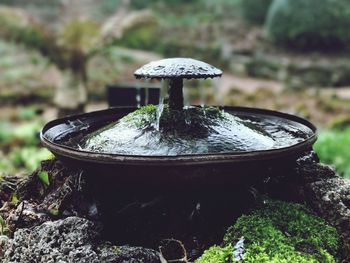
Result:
pixel 276 233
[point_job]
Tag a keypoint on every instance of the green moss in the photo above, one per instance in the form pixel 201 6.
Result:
pixel 280 232
pixel 217 254
pixel 142 116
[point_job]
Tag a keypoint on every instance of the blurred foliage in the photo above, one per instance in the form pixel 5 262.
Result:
pixel 74 43
pixel 20 67
pixel 142 4
pixel 109 6
pixel 28 158
pixel 309 24
pixel 340 122
pixel 79 34
pixel 17 26
pixel 19 143
pixel 210 54
pixel 140 33
pixel 332 148
pixel 28 113
pixel 147 37
pixel 188 30
pixel 255 11
pixel 69 47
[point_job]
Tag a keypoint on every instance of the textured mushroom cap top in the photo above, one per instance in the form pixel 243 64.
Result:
pixel 186 68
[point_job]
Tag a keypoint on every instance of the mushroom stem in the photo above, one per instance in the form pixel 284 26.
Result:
pixel 176 99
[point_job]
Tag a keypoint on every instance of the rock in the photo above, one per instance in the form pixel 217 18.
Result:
pixel 72 239
pixel 25 215
pixel 314 171
pixel 330 198
pixel 127 254
pixel 321 188
pixel 68 240
pixel 75 239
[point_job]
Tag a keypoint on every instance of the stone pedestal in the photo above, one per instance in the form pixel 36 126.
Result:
pixel 142 217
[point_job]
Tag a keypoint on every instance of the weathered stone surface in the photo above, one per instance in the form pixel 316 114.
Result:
pixel 330 198
pixel 312 172
pixel 320 187
pixel 67 240
pixel 177 68
pixel 72 239
pixel 127 254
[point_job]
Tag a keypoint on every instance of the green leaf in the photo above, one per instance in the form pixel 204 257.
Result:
pixel 44 177
pixel 14 199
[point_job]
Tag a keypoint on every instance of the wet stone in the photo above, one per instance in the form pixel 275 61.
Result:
pixel 177 68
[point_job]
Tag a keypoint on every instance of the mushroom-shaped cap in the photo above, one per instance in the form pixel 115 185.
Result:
pixel 170 68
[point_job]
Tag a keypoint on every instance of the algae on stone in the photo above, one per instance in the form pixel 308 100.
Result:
pixel 279 232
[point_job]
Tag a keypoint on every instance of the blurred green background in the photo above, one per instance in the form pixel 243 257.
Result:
pixel 58 56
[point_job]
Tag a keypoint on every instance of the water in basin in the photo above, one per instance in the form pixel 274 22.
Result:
pixel 159 131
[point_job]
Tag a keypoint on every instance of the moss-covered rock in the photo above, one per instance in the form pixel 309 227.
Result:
pixel 193 121
pixel 278 232
pixel 162 131
pixel 142 116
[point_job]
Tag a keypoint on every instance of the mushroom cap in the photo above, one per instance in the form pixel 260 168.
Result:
pixel 170 68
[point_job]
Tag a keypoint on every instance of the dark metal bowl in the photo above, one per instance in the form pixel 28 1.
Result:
pixel 57 133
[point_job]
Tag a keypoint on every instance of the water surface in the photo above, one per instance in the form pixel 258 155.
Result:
pixel 196 130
